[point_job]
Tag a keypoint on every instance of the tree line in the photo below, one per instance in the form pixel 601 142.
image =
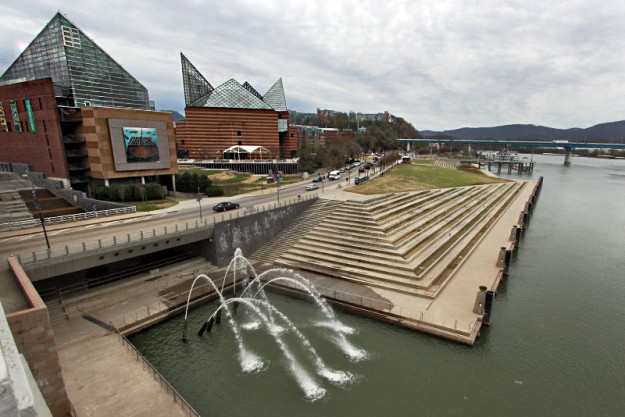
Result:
pixel 378 136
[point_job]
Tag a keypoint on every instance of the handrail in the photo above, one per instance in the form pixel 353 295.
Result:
pixel 160 378
pixel 23 224
pixel 177 228
pixel 126 320
pixel 441 322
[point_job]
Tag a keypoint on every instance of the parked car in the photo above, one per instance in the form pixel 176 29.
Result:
pixel 317 179
pixel 225 206
pixel 311 187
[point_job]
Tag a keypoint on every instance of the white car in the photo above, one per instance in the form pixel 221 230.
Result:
pixel 311 187
pixel 334 175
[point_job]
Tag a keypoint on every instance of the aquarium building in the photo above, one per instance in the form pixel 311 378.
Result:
pixel 222 122
pixel 66 107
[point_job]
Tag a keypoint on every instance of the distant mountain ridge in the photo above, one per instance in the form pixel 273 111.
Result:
pixel 604 132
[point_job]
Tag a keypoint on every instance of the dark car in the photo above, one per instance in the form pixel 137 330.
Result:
pixel 225 206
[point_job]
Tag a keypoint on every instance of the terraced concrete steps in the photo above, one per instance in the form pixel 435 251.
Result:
pixel 318 211
pixel 411 245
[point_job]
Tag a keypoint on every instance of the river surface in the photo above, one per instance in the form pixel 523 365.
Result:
pixel 556 346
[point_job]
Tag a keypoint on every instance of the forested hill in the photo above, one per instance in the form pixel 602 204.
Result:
pixel 604 132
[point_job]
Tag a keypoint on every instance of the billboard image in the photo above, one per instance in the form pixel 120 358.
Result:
pixel 32 126
pixel 16 116
pixel 141 144
pixel 3 119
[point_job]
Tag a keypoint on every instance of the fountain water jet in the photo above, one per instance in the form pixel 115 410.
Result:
pixel 274 321
pixel 249 361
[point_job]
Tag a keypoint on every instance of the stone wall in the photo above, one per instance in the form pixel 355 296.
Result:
pixel 34 338
pixel 250 232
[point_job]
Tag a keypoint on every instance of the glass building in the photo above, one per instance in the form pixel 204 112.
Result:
pixel 83 71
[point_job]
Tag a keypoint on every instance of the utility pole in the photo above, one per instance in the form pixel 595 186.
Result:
pixel 43 223
pixel 199 200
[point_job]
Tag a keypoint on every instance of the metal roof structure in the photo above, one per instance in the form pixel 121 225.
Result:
pixel 247 149
pixel 74 62
pixel 198 92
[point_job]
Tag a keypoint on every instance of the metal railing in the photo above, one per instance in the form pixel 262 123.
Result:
pixel 424 317
pixel 177 228
pixel 69 250
pixel 155 309
pixel 162 381
pixel 465 328
pixel 67 218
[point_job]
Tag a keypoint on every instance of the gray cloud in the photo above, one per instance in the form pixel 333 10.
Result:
pixel 440 65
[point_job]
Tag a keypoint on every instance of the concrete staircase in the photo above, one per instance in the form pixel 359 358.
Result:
pixel 283 241
pixel 13 208
pixel 49 204
pixel 409 242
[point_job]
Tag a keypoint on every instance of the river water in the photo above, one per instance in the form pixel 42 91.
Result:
pixel 556 346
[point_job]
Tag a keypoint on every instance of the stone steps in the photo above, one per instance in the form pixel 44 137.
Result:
pixel 425 246
pixel 286 239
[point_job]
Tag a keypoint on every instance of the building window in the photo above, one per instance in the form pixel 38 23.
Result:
pixel 71 37
pixel 238 133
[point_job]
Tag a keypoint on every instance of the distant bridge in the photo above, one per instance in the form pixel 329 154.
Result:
pixel 569 146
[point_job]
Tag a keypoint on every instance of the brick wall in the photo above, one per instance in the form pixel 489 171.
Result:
pixel 43 149
pixel 207 132
pixel 34 338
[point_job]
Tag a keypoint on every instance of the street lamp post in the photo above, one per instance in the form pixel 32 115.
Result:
pixel 38 208
pixel 199 200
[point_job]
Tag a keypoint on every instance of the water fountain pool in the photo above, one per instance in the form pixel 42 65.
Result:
pixel 259 313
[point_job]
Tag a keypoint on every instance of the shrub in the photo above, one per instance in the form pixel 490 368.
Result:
pixel 154 191
pixel 214 191
pixel 189 183
pixel 101 193
pixel 114 193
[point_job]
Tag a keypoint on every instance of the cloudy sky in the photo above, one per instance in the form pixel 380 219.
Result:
pixel 440 64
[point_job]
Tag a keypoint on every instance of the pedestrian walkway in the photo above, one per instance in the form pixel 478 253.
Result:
pixel 103 377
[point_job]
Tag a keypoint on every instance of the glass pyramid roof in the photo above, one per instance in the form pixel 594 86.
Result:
pixel 196 87
pixel 233 95
pixel 275 96
pixel 64 53
pixel 198 92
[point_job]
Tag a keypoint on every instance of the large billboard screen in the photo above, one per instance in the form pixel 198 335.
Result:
pixel 141 144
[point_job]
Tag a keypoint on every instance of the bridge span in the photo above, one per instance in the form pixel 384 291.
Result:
pixel 569 146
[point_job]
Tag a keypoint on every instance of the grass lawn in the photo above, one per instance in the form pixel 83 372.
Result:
pixel 235 183
pixel 152 204
pixel 422 176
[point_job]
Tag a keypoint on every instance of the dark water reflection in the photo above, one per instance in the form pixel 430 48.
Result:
pixel 556 347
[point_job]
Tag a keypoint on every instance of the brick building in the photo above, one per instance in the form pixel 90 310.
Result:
pixel 67 108
pixel 232 114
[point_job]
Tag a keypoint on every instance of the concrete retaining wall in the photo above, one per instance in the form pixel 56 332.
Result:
pixel 250 232
pixel 34 338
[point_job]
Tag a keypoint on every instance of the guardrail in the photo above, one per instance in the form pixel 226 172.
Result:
pixel 442 322
pixel 24 224
pixel 67 250
pixel 465 328
pixel 163 382
pixel 145 313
